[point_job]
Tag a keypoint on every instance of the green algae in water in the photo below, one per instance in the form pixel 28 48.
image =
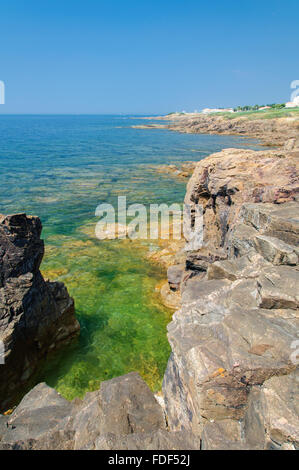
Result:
pixel 60 168
pixel 123 324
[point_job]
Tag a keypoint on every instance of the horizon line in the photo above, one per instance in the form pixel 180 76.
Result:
pixel 81 114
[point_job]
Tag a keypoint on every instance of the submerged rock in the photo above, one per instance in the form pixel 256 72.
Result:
pixel 36 316
pixel 170 298
pixel 174 276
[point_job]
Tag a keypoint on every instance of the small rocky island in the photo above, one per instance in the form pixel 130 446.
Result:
pixel 231 380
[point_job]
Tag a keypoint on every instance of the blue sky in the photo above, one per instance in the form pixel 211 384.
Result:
pixel 127 56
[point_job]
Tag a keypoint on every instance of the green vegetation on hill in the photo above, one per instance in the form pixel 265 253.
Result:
pixel 257 107
pixel 265 114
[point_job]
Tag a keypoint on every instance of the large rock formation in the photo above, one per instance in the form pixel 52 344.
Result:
pixel 123 414
pixel 231 380
pixel 232 373
pixel 35 316
pixel 224 181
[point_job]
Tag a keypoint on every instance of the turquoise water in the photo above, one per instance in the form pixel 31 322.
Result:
pixel 60 168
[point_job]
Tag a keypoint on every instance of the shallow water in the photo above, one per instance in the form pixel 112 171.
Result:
pixel 60 168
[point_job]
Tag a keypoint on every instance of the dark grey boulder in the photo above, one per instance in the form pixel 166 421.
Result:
pixel 123 407
pixel 35 316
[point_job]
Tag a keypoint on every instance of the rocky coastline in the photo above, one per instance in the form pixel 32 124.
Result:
pixel 231 380
pixel 232 375
pixel 271 132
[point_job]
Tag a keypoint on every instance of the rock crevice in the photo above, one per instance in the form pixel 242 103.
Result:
pixel 35 315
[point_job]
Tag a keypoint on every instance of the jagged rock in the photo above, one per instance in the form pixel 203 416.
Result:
pixel 200 260
pixel 222 345
pixel 242 240
pixel 54 440
pixel 21 247
pixel 223 435
pixel 279 287
pixel 122 406
pixel 267 229
pixel 35 316
pixel 244 293
pixel 247 266
pixel 271 420
pixel 238 323
pixel 278 221
pixel 124 413
pixel 225 181
pixel 40 411
pixel 159 440
pixel 197 288
pixel 276 251
pixel 238 320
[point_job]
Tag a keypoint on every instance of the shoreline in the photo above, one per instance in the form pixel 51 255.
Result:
pixel 231 335
pixel 270 132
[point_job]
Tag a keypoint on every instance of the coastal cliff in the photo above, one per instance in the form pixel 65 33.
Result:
pixel 36 316
pixel 232 376
pixel 231 380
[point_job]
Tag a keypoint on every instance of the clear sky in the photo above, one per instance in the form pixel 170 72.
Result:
pixel 138 56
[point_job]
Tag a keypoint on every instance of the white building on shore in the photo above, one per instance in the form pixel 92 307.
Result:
pixel 294 103
pixel 217 110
